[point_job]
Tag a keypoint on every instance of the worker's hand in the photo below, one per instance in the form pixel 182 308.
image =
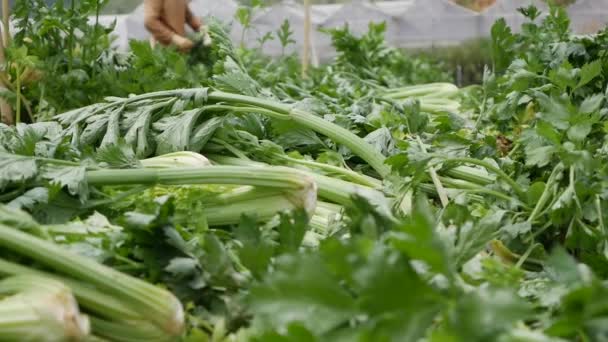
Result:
pixel 182 43
pixel 206 37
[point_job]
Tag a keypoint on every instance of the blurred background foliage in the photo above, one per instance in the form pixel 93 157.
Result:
pixel 125 6
pixel 466 60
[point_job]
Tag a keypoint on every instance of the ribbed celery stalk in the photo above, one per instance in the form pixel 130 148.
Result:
pixel 429 89
pixel 299 188
pixel 113 318
pixel 351 175
pixel 154 304
pixel 325 214
pixel 338 134
pixel 341 192
pixel 39 309
pixel 431 190
pixel 327 209
pixel 470 174
pixel 474 188
pixel 263 209
pixel 88 297
pixel 128 331
pixel 272 176
pixel 490 167
pixel 439 107
pixel 176 159
pixel 331 189
pixel 345 137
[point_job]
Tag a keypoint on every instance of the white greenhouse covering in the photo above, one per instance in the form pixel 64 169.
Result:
pixel 409 23
pixel 221 9
pixel 588 16
pixel 320 13
pixel 135 24
pixel 437 22
pixel 453 23
pixel 395 8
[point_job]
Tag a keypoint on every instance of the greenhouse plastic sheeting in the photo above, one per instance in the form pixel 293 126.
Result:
pixel 221 9
pixel 417 23
pixel 410 23
pixel 453 23
pixel 588 16
pixel 507 9
pixel 135 24
pixel 437 22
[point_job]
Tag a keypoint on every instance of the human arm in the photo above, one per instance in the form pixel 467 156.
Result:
pixel 153 22
pixel 153 10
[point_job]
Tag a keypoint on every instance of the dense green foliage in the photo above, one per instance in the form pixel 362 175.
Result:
pixel 368 201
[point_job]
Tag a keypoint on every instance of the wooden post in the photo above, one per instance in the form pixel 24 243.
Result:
pixel 306 49
pixel 6 15
pixel 6 111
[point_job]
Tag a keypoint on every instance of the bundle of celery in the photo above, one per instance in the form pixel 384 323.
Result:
pixel 141 311
pixel 183 119
pixel 273 188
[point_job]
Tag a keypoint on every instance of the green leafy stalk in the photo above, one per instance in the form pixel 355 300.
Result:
pixel 18 90
pixel 514 185
pixel 546 195
pixel 338 134
pixel 152 303
pixel 127 331
pixel 469 174
pixel 434 90
pixel 262 106
pixel 299 189
pixel 109 317
pixel 88 296
pixel 263 209
pixel 272 176
pixel 333 189
pixel 352 175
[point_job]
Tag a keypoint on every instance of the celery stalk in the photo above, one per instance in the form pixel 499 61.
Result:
pixel 88 296
pixel 262 208
pixel 152 303
pixel 39 309
pixel 115 321
pixel 430 89
pixel 299 188
pixel 176 159
pixel 331 189
pixel 273 109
